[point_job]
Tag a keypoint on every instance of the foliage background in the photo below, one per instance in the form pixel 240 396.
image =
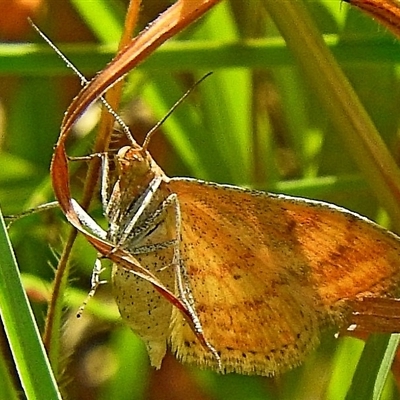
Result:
pixel 255 122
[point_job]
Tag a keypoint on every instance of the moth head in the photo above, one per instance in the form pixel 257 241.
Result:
pixel 133 160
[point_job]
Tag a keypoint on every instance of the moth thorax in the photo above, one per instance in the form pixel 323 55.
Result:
pixel 133 161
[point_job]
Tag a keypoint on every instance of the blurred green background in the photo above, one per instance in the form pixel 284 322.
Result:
pixel 256 122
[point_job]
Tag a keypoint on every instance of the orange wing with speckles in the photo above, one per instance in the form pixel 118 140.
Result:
pixel 268 272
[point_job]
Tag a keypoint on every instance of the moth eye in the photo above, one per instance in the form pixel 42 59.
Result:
pixel 122 152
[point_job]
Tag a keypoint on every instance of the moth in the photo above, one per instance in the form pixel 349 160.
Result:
pixel 230 279
pixel 260 274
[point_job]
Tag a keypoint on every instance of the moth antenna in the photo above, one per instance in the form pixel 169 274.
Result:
pixel 149 135
pixel 83 79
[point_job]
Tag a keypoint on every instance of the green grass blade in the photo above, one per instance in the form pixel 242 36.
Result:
pixel 226 107
pixel 386 365
pixel 357 131
pixel 370 377
pixel 103 17
pixel 348 353
pixel 21 329
pixel 162 93
pixel 39 60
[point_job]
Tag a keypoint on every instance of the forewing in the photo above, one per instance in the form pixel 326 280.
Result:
pixel 267 272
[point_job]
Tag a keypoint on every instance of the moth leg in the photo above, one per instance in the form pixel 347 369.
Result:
pixel 95 283
pixel 136 212
pixel 185 293
pixel 183 283
pixel 137 234
pixel 105 190
pixel 154 247
pixel 105 169
pixel 84 158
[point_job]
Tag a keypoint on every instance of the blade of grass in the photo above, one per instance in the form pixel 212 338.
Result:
pixel 21 329
pixel 322 187
pixel 221 141
pixel 39 60
pixel 370 378
pixel 341 103
pixel 225 106
pixel 386 365
pixel 161 93
pixel 103 17
pixel 347 354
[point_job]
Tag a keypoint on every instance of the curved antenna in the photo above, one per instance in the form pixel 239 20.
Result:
pixel 84 81
pixel 149 135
